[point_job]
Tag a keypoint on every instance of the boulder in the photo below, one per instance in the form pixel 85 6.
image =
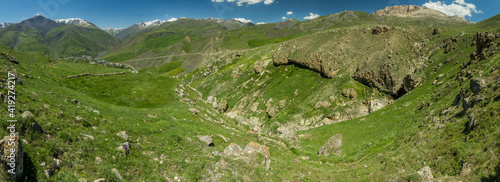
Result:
pixel 349 93
pixel 257 67
pixel 211 99
pixel 296 93
pixel 222 106
pixel 207 139
pixel 476 84
pixel 13 161
pixel 380 29
pixel 332 146
pixel 75 101
pixel 123 135
pixel 271 109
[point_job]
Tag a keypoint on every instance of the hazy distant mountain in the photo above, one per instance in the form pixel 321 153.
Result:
pixel 113 31
pixel 76 21
pixel 48 37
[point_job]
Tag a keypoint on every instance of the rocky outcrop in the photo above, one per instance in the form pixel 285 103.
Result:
pixel 322 104
pixel 332 146
pixel 379 29
pixel 123 135
pixel 486 45
pixel 417 11
pixel 271 109
pixel 11 156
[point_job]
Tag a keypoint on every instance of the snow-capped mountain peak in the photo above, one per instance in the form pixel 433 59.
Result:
pixel 150 23
pixel 75 21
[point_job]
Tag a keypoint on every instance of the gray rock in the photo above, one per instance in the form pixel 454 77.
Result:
pixel 282 103
pixel 75 101
pixel 476 84
pixel 218 153
pixel 123 135
pixel 472 122
pixel 36 127
pixel 257 67
pixel 26 114
pixel 85 137
pixel 332 146
pixel 349 93
pixel 82 180
pixel 207 139
pixel 271 109
pixel 233 149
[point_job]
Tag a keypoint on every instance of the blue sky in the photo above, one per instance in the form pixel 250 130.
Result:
pixel 117 14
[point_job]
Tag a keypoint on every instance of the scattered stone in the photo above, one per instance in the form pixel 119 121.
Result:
pixel 26 114
pixel 82 180
pixel 123 135
pixel 100 180
pixel 349 93
pixel 332 146
pixel 85 137
pixel 98 160
pixel 97 112
pixel 257 67
pixel 222 106
pixel 117 174
pixel 476 84
pixel 472 122
pixel 207 139
pixel 255 106
pixel 296 93
pixel 233 149
pixel 7 145
pixel 322 104
pixel 79 118
pixel 195 111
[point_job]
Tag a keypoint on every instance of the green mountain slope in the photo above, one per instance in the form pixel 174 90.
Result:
pixel 407 101
pixel 47 37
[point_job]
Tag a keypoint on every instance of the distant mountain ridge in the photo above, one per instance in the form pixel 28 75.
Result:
pixel 3 25
pixel 69 37
pixel 417 11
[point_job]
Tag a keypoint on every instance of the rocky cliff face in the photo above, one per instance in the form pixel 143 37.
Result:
pixel 417 11
pixel 374 59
